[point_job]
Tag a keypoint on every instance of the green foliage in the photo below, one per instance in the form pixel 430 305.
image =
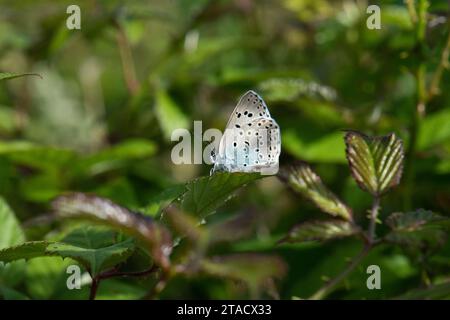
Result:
pixel 376 163
pixel 420 229
pixel 12 75
pixel 94 259
pixel 10 234
pixel 86 118
pixel 321 230
pixel 306 182
pixel 206 194
pixel 27 250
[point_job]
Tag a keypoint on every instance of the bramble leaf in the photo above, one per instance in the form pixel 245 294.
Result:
pixel 94 259
pixel 321 231
pixel 104 211
pixel 420 229
pixel 27 250
pixel 376 163
pixel 415 220
pixel 305 181
pixel 206 194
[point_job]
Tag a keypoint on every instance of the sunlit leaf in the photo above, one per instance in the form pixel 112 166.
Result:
pixel 328 148
pixel 305 181
pixel 321 231
pixel 94 259
pixel 206 194
pixel 104 211
pixel 27 250
pixel 12 75
pixel 376 163
pixel 434 129
pixel 10 234
pixel 116 156
pixel 169 115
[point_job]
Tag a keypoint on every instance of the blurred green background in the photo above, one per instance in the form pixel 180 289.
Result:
pixel 101 117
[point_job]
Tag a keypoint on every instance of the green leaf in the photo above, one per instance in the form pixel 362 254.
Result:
pixel 32 155
pixel 12 75
pixel 113 289
pixel 27 250
pixel 46 278
pixel 10 234
pixel 324 149
pixel 10 231
pixel 169 115
pixel 415 220
pixel 162 200
pixel 252 269
pixel 11 294
pixel 90 237
pixel 376 163
pixel 116 156
pixel 206 194
pixel 420 229
pixel 94 259
pixel 104 211
pixel 305 181
pixel 289 89
pixel 92 247
pixel 434 129
pixel 321 231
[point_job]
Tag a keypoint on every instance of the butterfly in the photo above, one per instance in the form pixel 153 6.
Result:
pixel 251 142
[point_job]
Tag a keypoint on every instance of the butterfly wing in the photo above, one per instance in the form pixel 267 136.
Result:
pixel 249 107
pixel 251 140
pixel 250 150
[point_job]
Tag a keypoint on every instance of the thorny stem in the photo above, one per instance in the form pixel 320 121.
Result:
pixel 370 243
pixel 112 274
pixel 373 219
pixel 325 290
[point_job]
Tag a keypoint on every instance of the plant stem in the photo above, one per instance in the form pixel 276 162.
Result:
pixel 126 56
pixel 325 290
pixel 443 64
pixel 411 10
pixel 373 219
pixel 421 98
pixel 370 243
pixel 94 287
pixel 111 274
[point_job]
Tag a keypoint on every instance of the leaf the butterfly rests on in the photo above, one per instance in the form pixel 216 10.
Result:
pixel 376 163
pixel 251 142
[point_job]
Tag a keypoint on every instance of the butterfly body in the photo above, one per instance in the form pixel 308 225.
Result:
pixel 251 141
